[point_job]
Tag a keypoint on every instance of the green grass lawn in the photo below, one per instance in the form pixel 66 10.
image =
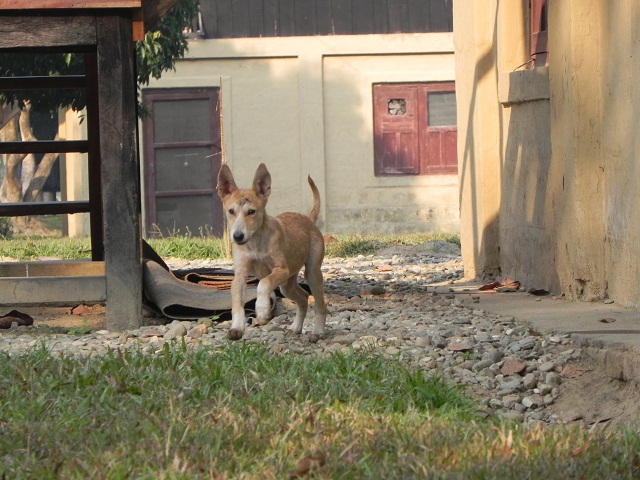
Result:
pixel 201 247
pixel 242 413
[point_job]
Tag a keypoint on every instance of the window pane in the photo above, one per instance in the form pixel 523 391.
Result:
pixel 182 121
pixel 442 109
pixel 183 169
pixel 181 215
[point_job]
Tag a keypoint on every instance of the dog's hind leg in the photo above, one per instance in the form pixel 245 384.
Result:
pixel 300 297
pixel 316 283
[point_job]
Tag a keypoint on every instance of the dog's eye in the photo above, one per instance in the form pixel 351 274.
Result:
pixel 232 211
pixel 251 211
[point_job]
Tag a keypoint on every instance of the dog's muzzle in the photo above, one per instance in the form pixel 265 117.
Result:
pixel 239 238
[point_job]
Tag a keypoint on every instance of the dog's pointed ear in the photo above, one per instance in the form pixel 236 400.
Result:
pixel 262 181
pixel 226 183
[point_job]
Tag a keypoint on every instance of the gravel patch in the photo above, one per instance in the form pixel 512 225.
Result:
pixel 400 304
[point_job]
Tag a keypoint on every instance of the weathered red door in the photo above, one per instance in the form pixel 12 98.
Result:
pixel 438 130
pixel 415 129
pixel 397 151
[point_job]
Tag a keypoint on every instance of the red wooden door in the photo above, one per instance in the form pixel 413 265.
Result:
pixel 415 129
pixel 438 130
pixel 396 130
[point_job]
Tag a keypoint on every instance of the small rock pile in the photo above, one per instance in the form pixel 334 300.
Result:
pixel 398 303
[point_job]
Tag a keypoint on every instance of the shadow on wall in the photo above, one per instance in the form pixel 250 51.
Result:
pixel 510 227
pixel 528 249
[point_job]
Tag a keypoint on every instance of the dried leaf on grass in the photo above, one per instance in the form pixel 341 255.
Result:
pixel 308 464
pixel 503 445
pixel 576 452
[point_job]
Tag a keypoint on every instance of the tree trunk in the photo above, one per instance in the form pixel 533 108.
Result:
pixel 18 180
pixel 11 188
pixel 40 177
pixel 37 181
pixel 27 171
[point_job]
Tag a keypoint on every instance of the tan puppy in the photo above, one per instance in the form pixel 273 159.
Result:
pixel 273 249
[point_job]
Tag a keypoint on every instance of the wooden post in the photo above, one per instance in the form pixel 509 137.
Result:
pixel 120 172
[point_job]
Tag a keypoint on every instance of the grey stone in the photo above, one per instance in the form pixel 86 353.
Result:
pixel 546 367
pixel 493 355
pixel 345 339
pixel 510 400
pixel 553 379
pixel 529 381
pixel 175 331
pixel 481 365
pixel 513 415
pixel 532 402
pixel 462 321
pixel 527 343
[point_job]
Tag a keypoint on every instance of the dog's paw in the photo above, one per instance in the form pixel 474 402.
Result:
pixel 234 334
pixel 296 329
pixel 314 337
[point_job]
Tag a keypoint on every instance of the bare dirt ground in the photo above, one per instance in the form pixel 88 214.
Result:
pixel 64 319
pixel 595 399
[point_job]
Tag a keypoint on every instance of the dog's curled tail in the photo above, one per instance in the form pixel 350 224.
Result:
pixel 315 211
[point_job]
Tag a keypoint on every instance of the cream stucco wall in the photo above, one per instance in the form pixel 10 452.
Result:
pixel 620 129
pixel 564 213
pixel 304 106
pixel 74 172
pixel 479 158
pixel 602 71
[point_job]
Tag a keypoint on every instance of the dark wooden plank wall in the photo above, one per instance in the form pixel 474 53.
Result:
pixel 52 31
pixel 284 18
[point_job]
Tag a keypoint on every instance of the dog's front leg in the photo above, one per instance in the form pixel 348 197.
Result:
pixel 267 285
pixel 238 320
